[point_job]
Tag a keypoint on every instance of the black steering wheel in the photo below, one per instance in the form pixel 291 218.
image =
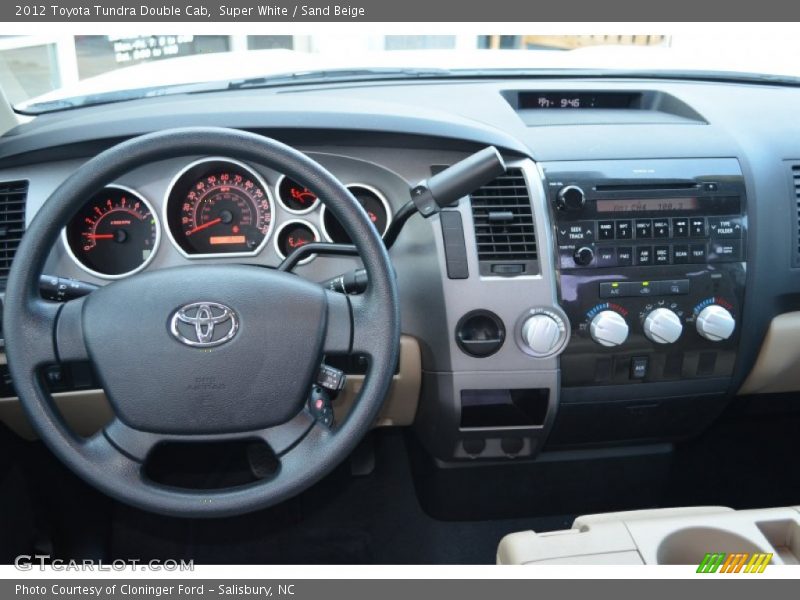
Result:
pixel 254 385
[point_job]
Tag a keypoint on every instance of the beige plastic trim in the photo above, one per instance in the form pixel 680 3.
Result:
pixel 401 403
pixel 675 536
pixel 777 367
pixel 87 411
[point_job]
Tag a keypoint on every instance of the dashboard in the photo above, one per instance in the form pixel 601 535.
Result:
pixel 617 285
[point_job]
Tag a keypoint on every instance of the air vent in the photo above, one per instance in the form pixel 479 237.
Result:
pixel 12 223
pixel 504 230
pixel 796 212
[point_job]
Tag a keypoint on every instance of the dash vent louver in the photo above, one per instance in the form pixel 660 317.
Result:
pixel 12 223
pixel 505 235
pixel 796 213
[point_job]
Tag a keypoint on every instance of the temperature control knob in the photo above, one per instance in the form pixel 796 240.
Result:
pixel 570 197
pixel 543 333
pixel 663 326
pixel 608 328
pixel 715 323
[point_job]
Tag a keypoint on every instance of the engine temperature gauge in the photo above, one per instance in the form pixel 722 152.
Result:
pixel 115 234
pixel 296 198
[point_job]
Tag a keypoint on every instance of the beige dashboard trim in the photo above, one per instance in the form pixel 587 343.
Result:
pixel 777 368
pixel 401 403
pixel 88 411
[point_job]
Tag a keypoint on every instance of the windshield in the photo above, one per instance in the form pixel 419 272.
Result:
pixel 41 74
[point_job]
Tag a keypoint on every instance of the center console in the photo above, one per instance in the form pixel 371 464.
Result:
pixel 652 260
pixel 651 257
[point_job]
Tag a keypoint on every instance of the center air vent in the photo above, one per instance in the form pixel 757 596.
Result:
pixel 504 230
pixel 796 213
pixel 12 223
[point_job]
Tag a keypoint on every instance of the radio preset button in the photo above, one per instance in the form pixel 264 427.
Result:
pixel 680 254
pixel 624 230
pixel 624 256
pixel 644 255
pixel 644 229
pixel 605 230
pixel 680 227
pixel 661 228
pixel 697 226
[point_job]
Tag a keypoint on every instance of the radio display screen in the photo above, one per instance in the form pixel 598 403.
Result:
pixel 647 205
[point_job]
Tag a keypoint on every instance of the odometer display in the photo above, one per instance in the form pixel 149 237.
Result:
pixel 115 234
pixel 219 206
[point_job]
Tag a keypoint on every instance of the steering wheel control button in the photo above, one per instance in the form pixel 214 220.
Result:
pixel 480 333
pixel 663 326
pixel 204 324
pixel 331 378
pixel 319 405
pixel 639 367
pixel 543 333
pixel 715 323
pixel 570 197
pixel 609 329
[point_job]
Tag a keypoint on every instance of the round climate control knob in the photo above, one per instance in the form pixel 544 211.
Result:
pixel 543 333
pixel 608 328
pixel 570 197
pixel 715 323
pixel 663 326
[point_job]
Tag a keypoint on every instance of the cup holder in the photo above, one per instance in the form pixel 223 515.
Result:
pixel 689 546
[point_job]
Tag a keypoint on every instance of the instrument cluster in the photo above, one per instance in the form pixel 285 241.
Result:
pixel 214 207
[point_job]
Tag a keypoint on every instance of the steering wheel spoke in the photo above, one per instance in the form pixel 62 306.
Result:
pixel 55 333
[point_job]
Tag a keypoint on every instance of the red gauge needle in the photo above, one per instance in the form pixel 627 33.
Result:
pixel 204 226
pixel 100 236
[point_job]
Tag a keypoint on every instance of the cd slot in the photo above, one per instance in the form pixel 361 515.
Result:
pixel 646 187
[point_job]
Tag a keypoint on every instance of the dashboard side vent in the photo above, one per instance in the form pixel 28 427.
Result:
pixel 504 231
pixel 796 213
pixel 12 223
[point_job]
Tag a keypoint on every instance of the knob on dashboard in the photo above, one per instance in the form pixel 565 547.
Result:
pixel 663 326
pixel 570 197
pixel 583 256
pixel 715 323
pixel 542 333
pixel 608 328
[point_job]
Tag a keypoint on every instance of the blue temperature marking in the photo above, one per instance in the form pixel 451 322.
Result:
pixel 704 303
pixel 597 309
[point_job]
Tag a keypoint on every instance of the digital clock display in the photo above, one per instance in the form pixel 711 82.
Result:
pixel 578 100
pixel 647 205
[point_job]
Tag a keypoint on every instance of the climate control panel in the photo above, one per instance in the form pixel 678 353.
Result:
pixel 652 267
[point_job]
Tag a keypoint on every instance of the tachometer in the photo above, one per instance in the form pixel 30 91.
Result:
pixel 219 206
pixel 115 234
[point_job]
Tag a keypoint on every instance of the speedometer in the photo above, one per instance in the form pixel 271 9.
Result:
pixel 219 206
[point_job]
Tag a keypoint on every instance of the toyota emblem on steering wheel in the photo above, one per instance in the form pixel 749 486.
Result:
pixel 204 324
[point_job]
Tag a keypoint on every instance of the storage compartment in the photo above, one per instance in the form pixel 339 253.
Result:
pixel 503 408
pixel 784 536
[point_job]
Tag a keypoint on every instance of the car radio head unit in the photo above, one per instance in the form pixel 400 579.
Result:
pixel 652 261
